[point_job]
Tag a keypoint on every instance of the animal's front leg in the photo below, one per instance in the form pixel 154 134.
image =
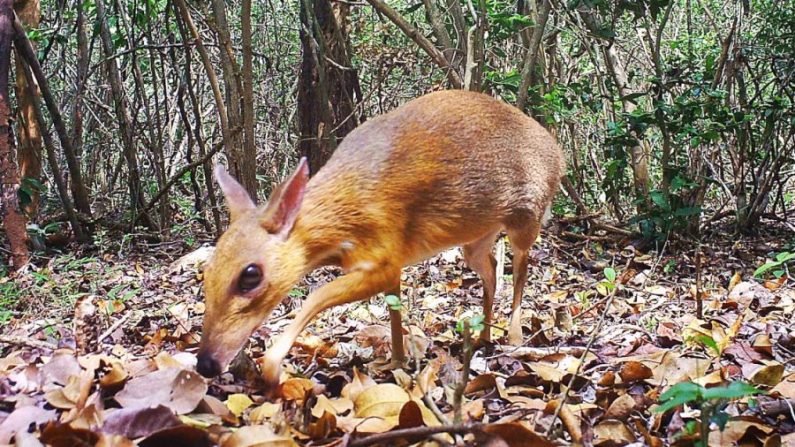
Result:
pixel 355 286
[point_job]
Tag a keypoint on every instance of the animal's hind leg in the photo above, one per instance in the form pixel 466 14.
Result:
pixel 522 238
pixel 480 259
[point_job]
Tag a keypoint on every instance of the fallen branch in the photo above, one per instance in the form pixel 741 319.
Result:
pixel 113 327
pixel 534 354
pixel 26 341
pixel 778 407
pixel 591 340
pixel 579 217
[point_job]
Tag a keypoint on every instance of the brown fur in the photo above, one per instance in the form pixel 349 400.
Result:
pixel 451 168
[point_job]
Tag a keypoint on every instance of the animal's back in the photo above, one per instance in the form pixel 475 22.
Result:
pixel 444 169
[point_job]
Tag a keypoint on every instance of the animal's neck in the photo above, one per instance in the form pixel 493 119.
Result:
pixel 321 228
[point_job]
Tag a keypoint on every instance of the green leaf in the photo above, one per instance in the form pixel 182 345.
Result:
pixel 659 199
pixel 765 267
pixel 682 388
pixel 688 211
pixel 675 402
pixel 476 323
pixel 610 274
pixel 785 256
pixel 732 391
pixel 708 342
pixel 393 302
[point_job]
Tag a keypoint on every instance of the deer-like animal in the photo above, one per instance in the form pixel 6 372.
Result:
pixel 451 168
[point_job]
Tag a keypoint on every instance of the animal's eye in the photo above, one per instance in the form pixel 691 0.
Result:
pixel 250 278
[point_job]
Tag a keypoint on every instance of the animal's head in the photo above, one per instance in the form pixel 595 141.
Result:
pixel 252 268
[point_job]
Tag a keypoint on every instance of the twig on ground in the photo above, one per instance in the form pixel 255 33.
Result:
pixel 591 340
pixel 25 341
pixel 113 327
pixel 458 395
pixel 531 353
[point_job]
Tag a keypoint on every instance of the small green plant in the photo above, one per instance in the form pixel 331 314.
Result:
pixel 711 402
pixel 393 302
pixel 778 265
pixel 28 188
pixel 584 298
pixel 710 343
pixel 476 324
pixel 609 284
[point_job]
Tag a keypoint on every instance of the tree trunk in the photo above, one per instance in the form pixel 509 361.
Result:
pixel 28 132
pixel 13 220
pixel 197 116
pixel 79 190
pixel 60 183
pixel 28 55
pixel 249 137
pixel 242 158
pixel 531 55
pixel 328 85
pixel 137 202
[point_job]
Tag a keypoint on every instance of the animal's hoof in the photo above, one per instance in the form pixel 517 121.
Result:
pixel 515 336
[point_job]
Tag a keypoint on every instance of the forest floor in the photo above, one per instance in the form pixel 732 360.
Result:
pixel 98 348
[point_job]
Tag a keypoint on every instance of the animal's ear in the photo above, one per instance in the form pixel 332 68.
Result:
pixel 237 198
pixel 285 202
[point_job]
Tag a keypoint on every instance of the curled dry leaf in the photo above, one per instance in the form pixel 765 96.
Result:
pixel 295 388
pixel 325 425
pixel 634 371
pixel 375 336
pixel 359 383
pixel 115 377
pixel 178 389
pixel 426 381
pixel 385 401
pixel 547 372
pixel 484 382
pixel 139 422
pixel 338 406
pixel 786 387
pixel 769 374
pixel 763 345
pixel 714 378
pixel 73 395
pixel 742 432
pixel 410 415
pixel 669 368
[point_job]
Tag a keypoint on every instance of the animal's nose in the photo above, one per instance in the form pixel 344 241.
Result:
pixel 207 366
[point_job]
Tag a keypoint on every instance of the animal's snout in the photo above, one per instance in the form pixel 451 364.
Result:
pixel 207 366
